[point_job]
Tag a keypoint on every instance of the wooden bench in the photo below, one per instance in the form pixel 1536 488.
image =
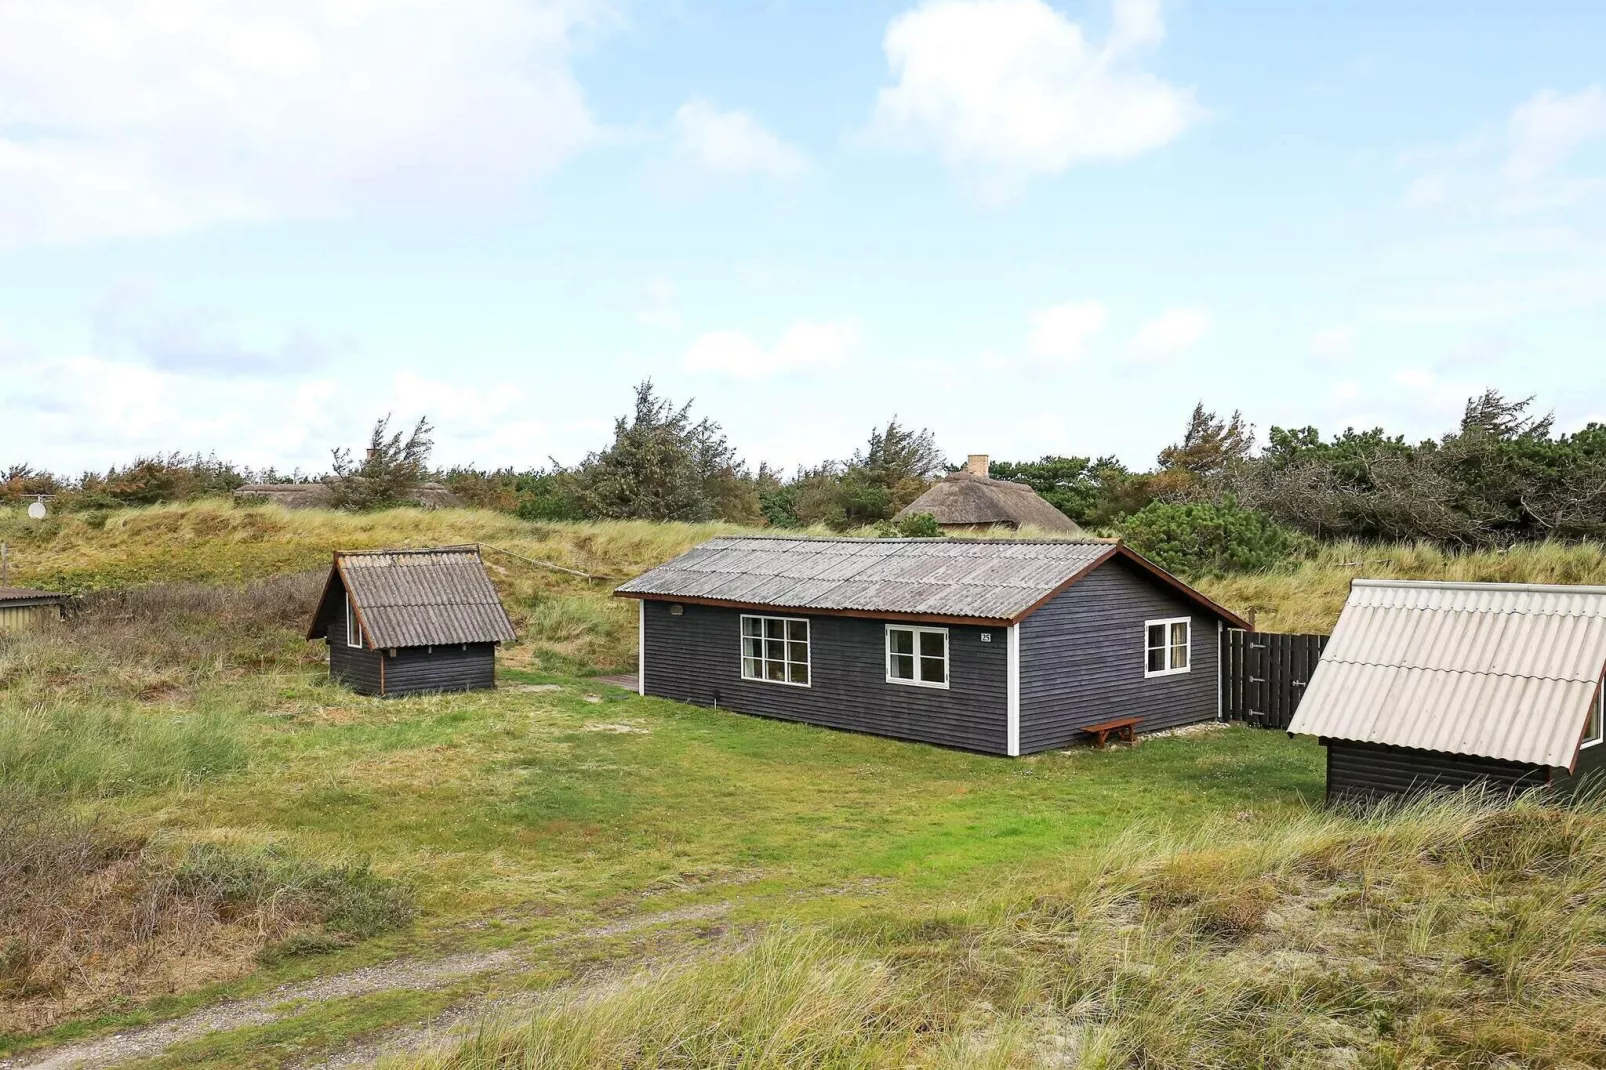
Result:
pixel 1124 729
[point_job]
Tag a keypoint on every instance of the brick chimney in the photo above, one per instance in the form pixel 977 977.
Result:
pixel 977 465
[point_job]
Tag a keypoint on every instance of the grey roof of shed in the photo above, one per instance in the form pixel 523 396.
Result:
pixel 994 580
pixel 23 594
pixel 411 598
pixel 1488 669
pixel 964 498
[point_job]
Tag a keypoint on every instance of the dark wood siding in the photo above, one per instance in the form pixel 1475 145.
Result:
pixel 1589 772
pixel 1082 659
pixel 696 658
pixel 419 670
pixel 1362 772
pixel 355 667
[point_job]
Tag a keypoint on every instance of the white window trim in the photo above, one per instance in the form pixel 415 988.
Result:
pixel 1599 712
pixel 351 618
pixel 947 659
pixel 741 663
pixel 1167 621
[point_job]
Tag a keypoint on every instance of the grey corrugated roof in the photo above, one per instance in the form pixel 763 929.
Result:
pixel 424 597
pixel 23 594
pixel 1488 669
pixel 981 578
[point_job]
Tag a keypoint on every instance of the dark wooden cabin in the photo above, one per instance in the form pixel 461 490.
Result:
pixel 1439 686
pixel 998 646
pixel 407 622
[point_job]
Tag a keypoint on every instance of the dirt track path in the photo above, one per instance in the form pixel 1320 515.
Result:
pixel 401 976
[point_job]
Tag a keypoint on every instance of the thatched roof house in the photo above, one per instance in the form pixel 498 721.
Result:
pixel 967 500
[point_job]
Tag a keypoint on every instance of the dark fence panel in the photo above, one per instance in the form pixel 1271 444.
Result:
pixel 1263 675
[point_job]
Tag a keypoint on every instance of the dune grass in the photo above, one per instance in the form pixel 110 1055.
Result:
pixel 1460 932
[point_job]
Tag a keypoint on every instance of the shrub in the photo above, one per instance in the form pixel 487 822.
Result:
pixel 1208 539
pixel 89 914
pixel 914 526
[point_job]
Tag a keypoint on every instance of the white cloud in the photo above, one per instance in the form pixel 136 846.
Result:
pixel 1012 89
pixel 726 144
pixel 1060 334
pixel 132 320
pixel 1522 167
pixel 804 347
pixel 659 310
pixel 1545 131
pixel 1333 344
pixel 1170 335
pixel 127 117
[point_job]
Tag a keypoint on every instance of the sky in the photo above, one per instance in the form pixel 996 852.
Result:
pixel 251 227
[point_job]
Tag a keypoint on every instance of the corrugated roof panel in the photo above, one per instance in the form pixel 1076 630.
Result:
pixel 984 579
pixel 1494 670
pixel 425 597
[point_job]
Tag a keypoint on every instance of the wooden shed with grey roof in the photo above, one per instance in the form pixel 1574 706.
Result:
pixel 1442 685
pixel 1000 646
pixel 24 610
pixel 406 622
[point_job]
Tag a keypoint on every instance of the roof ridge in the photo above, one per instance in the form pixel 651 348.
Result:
pixel 943 540
pixel 470 547
pixel 1461 672
pixel 1482 585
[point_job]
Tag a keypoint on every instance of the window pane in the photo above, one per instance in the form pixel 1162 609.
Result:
pixel 1179 657
pixel 774 628
pixel 932 644
pixel 752 626
pixel 797 629
pixel 902 640
pixel 798 652
pixel 1156 635
pixel 775 649
pixel 1179 633
pixel 752 648
pixel 933 670
pixel 800 674
pixel 775 670
pixel 750 669
pixel 1157 659
pixel 903 667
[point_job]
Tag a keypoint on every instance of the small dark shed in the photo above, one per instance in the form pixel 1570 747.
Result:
pixel 1430 685
pixel 404 622
pixel 992 645
pixel 23 610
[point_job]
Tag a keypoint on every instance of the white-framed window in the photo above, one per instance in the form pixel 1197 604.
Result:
pixel 1595 727
pixel 1166 646
pixel 353 625
pixel 917 656
pixel 775 650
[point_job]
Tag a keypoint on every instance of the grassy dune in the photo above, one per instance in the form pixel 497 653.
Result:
pixel 874 903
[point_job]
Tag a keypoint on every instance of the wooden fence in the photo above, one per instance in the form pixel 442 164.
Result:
pixel 1263 675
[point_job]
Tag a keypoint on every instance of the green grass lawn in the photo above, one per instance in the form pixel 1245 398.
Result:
pixel 525 815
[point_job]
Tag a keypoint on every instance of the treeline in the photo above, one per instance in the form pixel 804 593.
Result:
pixel 1215 500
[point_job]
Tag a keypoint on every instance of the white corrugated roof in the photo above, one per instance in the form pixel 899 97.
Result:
pixel 1498 670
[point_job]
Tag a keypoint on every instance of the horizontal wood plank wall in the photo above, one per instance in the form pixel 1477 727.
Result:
pixel 1367 771
pixel 355 667
pixel 696 658
pixel 420 670
pixel 1082 660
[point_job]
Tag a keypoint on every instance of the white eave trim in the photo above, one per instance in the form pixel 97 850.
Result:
pixel 1012 690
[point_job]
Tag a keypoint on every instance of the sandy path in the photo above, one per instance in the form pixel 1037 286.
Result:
pixel 401 976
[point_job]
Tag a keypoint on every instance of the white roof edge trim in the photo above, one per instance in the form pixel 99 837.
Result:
pixel 1475 585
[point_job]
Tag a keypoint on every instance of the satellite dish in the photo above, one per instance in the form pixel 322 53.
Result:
pixel 37 511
